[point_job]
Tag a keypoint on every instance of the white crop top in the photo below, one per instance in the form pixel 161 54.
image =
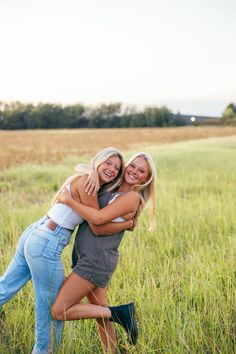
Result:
pixel 63 215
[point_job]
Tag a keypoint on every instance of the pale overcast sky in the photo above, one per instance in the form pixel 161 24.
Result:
pixel 144 52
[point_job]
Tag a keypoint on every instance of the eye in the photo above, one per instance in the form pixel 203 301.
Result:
pixel 117 168
pixel 108 162
pixel 132 165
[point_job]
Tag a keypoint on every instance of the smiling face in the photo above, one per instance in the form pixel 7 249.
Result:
pixel 109 169
pixel 137 171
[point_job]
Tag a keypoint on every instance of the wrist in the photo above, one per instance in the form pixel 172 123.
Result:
pixel 134 222
pixel 130 224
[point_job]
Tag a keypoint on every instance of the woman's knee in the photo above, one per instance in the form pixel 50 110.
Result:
pixel 57 312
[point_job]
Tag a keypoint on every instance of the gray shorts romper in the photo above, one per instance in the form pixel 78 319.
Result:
pixel 95 257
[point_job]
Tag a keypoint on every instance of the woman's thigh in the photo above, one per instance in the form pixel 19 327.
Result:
pixel 74 289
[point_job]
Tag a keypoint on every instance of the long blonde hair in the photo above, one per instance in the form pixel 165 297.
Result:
pixel 97 160
pixel 101 157
pixel 147 190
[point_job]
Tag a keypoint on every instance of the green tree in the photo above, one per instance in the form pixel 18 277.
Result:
pixel 159 117
pixel 73 117
pixel 229 115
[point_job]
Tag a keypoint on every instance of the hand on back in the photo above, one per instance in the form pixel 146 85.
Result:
pixel 91 183
pixel 63 196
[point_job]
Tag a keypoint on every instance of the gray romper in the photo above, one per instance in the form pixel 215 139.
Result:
pixel 95 257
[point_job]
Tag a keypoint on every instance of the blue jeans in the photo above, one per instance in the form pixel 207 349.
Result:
pixel 38 257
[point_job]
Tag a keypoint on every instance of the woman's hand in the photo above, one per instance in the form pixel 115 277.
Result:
pixel 64 196
pixel 91 184
pixel 134 224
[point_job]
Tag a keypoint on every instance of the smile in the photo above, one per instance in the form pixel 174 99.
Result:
pixel 108 174
pixel 131 176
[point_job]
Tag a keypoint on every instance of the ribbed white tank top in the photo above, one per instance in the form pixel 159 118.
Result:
pixel 63 215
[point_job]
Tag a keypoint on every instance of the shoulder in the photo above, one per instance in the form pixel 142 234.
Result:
pixel 78 182
pixel 81 179
pixel 131 196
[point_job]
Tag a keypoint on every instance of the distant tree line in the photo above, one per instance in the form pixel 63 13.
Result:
pixel 229 115
pixel 17 115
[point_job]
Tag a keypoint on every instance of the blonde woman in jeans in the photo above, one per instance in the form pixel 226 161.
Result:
pixel 38 253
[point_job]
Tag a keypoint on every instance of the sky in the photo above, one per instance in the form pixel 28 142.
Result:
pixel 178 53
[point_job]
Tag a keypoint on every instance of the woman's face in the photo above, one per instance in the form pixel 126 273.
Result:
pixel 137 171
pixel 109 169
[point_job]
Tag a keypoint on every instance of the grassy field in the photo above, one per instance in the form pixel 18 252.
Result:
pixel 182 276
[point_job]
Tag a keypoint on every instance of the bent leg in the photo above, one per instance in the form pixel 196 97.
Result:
pixel 67 305
pixel 105 327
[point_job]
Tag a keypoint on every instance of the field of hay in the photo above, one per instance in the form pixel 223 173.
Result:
pixel 52 146
pixel 181 276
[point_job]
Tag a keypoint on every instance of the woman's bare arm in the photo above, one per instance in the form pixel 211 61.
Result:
pixel 85 198
pixel 89 200
pixel 106 229
pixel 127 203
pixel 111 228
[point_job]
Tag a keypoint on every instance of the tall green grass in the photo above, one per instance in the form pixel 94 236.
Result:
pixel 182 276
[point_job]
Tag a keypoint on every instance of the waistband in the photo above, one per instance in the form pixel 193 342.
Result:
pixel 52 225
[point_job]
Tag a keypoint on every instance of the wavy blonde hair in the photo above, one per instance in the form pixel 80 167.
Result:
pixel 97 160
pixel 101 157
pixel 147 190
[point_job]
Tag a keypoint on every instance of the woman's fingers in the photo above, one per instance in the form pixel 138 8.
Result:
pixel 92 189
pixel 134 224
pixel 91 186
pixel 91 183
pixel 96 189
pixel 87 182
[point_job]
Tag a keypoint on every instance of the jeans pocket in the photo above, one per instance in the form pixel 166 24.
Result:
pixel 36 245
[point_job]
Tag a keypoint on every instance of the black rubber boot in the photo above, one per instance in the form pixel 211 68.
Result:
pixel 125 316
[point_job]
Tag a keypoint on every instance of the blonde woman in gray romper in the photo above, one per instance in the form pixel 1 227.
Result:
pixel 98 255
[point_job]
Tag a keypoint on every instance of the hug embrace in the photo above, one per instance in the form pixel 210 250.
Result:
pixel 123 191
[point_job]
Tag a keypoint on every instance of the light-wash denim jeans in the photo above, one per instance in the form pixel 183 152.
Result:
pixel 38 257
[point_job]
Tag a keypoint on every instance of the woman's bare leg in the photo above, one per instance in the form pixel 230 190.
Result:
pixel 106 328
pixel 67 305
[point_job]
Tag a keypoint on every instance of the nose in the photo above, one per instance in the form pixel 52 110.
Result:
pixel 112 168
pixel 134 171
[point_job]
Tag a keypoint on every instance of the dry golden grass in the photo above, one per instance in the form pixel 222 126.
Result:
pixel 52 146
